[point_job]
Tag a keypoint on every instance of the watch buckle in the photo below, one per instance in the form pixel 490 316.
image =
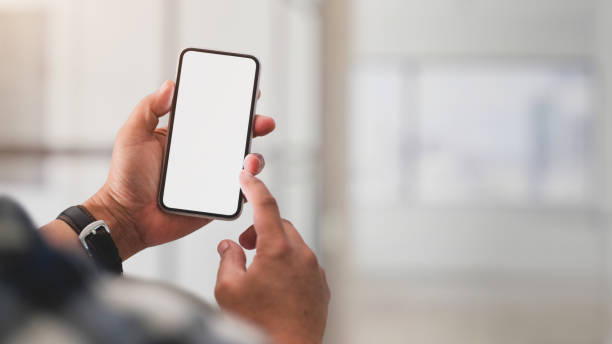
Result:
pixel 90 229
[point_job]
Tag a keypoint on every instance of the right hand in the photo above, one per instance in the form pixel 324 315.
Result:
pixel 284 290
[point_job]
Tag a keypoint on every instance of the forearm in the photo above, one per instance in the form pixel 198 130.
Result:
pixel 58 234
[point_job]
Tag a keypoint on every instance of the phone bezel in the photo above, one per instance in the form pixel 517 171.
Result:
pixel 247 150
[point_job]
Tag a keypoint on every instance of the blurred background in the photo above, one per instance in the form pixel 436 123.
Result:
pixel 447 159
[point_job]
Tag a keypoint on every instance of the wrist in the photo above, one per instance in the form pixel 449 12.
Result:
pixel 123 230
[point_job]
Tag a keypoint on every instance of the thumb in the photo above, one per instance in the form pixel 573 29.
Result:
pixel 147 112
pixel 233 261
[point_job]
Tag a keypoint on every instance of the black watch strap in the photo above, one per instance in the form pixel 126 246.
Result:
pixel 77 217
pixel 97 240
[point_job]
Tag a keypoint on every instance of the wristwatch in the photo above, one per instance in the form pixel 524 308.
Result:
pixel 95 237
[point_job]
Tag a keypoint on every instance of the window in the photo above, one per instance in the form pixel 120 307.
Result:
pixel 479 133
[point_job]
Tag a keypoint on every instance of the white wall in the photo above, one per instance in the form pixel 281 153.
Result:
pixel 496 27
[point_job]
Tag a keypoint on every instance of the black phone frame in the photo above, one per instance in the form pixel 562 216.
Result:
pixel 247 150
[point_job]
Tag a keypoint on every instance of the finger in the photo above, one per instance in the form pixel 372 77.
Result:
pixel 263 125
pixel 163 99
pixel 325 284
pixel 248 238
pixel 162 131
pixel 233 260
pixel 254 163
pixel 266 216
pixel 292 234
pixel 147 112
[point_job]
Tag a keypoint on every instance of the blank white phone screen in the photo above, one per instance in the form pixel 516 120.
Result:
pixel 209 133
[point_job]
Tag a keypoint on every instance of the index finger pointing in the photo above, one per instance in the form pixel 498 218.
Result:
pixel 266 216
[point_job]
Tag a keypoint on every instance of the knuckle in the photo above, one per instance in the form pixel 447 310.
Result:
pixel 224 289
pixel 281 250
pixel 254 182
pixel 269 201
pixel 145 103
pixel 323 273
pixel 287 223
pixel 309 258
pixel 219 292
pixel 248 182
pixel 326 290
pixel 221 287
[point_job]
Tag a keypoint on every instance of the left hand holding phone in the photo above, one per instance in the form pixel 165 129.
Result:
pixel 128 199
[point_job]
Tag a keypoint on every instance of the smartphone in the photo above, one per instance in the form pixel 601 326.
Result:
pixel 209 133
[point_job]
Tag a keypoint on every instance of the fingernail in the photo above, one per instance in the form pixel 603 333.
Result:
pixel 222 247
pixel 246 173
pixel 163 87
pixel 262 162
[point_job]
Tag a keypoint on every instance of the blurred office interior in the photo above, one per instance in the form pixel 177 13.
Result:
pixel 448 160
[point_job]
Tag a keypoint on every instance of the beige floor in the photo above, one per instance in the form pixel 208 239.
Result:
pixel 475 312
